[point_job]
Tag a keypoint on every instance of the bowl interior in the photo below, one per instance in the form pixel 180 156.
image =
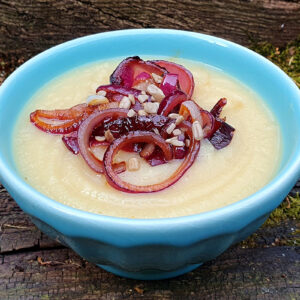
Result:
pixel 274 87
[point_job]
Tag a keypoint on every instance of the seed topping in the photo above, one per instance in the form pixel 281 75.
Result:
pixel 176 132
pixel 96 100
pixel 133 164
pixel 156 92
pixel 131 98
pixel 170 128
pixel 131 113
pixel 151 107
pixel 100 138
pixel 179 119
pixel 108 136
pixel 197 131
pixel 141 112
pixel 157 78
pixel 125 103
pixel 143 98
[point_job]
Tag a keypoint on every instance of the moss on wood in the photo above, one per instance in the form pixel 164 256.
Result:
pixel 287 58
pixel 280 229
pixel 288 209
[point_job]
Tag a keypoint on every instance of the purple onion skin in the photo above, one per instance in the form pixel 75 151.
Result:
pixel 223 136
pixel 71 142
pixel 217 109
pixel 124 74
pixel 169 84
pixel 156 158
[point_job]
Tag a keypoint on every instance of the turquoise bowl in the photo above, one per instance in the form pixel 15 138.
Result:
pixel 156 248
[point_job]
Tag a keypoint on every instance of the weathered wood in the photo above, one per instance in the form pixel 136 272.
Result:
pixel 237 274
pixel 16 230
pixel 28 27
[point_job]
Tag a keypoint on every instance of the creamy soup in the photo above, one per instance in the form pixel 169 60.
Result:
pixel 217 178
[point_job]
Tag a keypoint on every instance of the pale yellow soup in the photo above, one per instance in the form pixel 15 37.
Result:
pixel 217 178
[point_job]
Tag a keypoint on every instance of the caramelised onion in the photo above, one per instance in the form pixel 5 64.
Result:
pixel 147 150
pixel 170 102
pixel 141 77
pixel 52 126
pixel 86 129
pixel 102 124
pixel 130 68
pixel 65 114
pixel 217 109
pixel 114 89
pixel 61 121
pixel 140 136
pixel 206 120
pixel 223 136
pixel 190 108
pixel 64 121
pixel 71 142
pixel 169 84
pixel 185 77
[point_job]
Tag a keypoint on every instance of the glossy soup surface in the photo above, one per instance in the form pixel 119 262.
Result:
pixel 217 178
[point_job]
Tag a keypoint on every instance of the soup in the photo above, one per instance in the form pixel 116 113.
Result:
pixel 217 177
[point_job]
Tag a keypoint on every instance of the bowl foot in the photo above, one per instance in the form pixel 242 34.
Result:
pixel 149 274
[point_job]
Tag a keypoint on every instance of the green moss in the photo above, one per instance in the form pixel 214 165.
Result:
pixel 288 209
pixel 287 58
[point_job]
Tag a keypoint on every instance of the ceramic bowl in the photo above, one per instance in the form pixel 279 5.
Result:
pixel 156 248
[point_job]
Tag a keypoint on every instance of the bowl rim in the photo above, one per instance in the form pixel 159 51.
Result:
pixel 37 200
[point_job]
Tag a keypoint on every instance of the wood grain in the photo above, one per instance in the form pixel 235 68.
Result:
pixel 237 274
pixel 28 27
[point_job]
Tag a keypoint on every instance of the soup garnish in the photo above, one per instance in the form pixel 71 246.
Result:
pixel 147 109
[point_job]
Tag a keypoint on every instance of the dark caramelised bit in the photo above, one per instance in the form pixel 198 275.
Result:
pixel 223 136
pixel 217 109
pixel 71 142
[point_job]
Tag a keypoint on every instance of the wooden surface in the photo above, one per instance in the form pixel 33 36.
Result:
pixel 28 26
pixel 32 266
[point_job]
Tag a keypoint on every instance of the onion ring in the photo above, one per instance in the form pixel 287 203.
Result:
pixel 46 120
pixel 186 80
pixel 206 119
pixel 137 136
pixel 85 130
pixel 170 102
pixel 130 68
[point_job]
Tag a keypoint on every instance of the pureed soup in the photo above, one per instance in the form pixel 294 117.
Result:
pixel 217 177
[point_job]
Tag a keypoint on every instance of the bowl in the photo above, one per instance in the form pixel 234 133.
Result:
pixel 155 248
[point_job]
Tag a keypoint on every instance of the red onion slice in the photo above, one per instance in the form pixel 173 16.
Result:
pixel 86 129
pixel 185 77
pixel 119 90
pixel 142 77
pixel 169 84
pixel 64 121
pixel 223 136
pixel 192 110
pixel 65 114
pixel 51 126
pixel 130 68
pixel 139 136
pixel 170 102
pixel 217 109
pixel 71 142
